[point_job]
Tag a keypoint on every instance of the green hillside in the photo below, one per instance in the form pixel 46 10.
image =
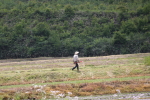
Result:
pixel 33 28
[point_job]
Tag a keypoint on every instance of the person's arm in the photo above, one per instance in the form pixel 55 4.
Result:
pixel 77 59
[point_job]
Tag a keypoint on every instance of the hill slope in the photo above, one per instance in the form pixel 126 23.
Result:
pixel 35 28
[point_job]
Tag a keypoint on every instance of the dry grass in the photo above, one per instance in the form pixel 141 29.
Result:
pixel 43 70
pixel 84 89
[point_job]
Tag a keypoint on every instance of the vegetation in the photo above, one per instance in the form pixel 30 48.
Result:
pixel 39 77
pixel 34 28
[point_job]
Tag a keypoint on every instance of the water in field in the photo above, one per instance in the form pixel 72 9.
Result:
pixel 128 96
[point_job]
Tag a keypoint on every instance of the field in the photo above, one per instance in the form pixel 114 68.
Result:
pixel 48 77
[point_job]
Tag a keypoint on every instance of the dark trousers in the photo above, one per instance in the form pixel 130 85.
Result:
pixel 76 66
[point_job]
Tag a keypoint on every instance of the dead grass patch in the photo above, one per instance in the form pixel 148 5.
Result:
pixel 84 89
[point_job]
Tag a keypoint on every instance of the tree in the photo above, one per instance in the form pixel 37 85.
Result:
pixel 119 39
pixel 123 14
pixel 42 29
pixel 69 12
pixel 128 27
pixel 119 43
pixel 102 46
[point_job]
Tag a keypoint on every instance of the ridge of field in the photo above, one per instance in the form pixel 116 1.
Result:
pixel 78 82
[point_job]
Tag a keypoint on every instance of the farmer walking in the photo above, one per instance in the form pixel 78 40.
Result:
pixel 76 61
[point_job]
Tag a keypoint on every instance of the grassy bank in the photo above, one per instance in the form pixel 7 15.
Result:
pixel 55 73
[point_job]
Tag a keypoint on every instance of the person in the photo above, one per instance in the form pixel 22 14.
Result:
pixel 76 61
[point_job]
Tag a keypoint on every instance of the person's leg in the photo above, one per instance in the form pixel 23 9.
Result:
pixel 75 66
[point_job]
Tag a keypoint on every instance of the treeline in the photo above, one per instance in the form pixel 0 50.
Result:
pixel 34 28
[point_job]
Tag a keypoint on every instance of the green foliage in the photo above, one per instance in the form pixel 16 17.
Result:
pixel 102 46
pixel 145 47
pixel 144 10
pixel 128 27
pixel 119 39
pixel 142 24
pixel 123 14
pixel 69 11
pixel 42 29
pixel 3 12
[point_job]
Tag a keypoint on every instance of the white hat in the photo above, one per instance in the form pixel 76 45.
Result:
pixel 76 52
